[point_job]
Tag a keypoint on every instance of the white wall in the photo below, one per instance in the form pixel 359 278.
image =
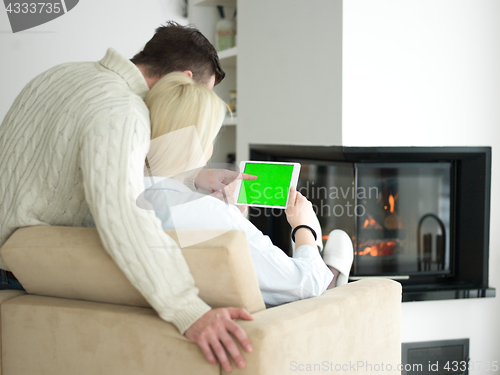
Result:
pixel 83 34
pixel 289 72
pixel 426 73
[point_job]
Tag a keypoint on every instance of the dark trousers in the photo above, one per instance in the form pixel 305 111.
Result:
pixel 8 281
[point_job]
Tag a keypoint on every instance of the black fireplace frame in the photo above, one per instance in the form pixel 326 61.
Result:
pixel 472 178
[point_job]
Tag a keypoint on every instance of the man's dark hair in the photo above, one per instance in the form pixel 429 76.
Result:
pixel 176 48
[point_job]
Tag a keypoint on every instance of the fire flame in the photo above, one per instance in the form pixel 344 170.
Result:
pixel 370 222
pixel 383 248
pixel 392 201
pixel 373 251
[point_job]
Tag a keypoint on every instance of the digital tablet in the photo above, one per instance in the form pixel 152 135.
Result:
pixel 272 186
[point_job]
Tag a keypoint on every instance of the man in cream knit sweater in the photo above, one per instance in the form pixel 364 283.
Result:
pixel 64 160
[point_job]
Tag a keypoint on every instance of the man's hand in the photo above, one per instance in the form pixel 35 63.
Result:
pixel 212 334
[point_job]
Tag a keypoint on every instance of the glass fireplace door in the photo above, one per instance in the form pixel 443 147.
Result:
pixel 402 225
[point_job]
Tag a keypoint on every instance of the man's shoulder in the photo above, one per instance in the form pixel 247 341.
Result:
pixel 91 92
pixel 88 80
pixel 67 70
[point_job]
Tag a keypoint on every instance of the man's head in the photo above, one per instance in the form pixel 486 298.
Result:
pixel 176 48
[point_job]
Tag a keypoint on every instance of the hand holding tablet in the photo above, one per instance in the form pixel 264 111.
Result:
pixel 272 186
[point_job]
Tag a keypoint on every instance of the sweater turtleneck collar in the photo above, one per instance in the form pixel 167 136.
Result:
pixel 127 70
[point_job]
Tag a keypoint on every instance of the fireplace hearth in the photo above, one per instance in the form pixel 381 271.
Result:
pixel 419 215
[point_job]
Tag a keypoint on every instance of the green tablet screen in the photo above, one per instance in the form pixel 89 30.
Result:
pixel 270 188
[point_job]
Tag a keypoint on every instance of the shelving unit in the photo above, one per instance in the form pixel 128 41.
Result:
pixel 203 15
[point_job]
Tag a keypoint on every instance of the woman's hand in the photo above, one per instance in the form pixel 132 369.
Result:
pixel 222 184
pixel 227 195
pixel 216 179
pixel 299 210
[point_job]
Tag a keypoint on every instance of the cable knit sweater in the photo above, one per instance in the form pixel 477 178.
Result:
pixel 72 150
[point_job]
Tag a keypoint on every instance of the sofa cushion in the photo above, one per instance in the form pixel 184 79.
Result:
pixel 71 262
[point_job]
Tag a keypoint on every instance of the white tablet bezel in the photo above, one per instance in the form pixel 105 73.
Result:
pixel 293 182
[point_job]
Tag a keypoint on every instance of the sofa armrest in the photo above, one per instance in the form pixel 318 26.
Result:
pixel 347 329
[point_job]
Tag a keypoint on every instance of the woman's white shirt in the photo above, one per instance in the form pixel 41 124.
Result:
pixel 281 278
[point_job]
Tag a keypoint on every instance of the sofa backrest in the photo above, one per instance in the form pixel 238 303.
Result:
pixel 71 263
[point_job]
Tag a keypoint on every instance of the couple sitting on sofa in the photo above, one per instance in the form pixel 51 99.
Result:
pixel 185 120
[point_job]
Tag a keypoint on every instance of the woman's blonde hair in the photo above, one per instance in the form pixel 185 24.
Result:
pixel 185 119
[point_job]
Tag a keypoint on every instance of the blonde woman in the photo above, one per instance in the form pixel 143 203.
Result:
pixel 185 120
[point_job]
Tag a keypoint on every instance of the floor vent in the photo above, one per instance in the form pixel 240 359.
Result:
pixel 444 357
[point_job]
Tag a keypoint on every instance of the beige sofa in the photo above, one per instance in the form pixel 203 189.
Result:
pixel 81 315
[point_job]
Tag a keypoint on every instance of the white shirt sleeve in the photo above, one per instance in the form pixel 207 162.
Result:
pixel 281 278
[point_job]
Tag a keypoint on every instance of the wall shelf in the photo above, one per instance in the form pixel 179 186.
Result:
pixel 228 121
pixel 228 57
pixel 226 3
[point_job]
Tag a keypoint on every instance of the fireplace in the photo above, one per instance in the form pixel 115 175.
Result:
pixel 419 215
